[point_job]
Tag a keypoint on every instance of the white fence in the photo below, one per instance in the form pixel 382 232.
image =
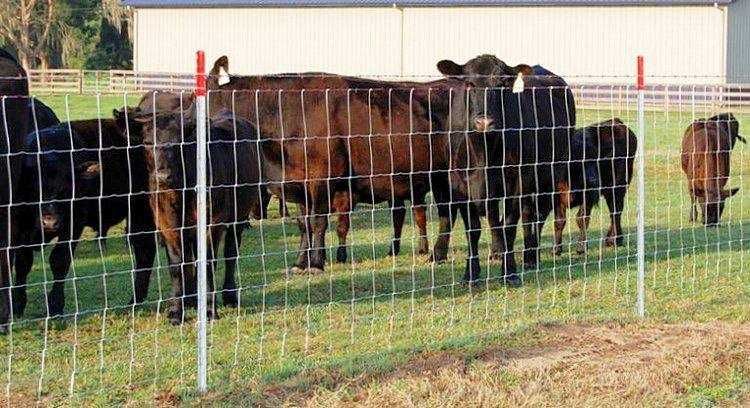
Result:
pixel 349 297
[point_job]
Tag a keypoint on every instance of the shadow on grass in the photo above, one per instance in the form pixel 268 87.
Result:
pixel 376 277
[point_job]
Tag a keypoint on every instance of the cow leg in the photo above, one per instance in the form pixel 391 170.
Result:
pixel 495 222
pixel 215 235
pixel 303 255
pixel 560 221
pixel 232 241
pixel 615 201
pixel 59 261
pixel 420 217
pixel 24 259
pixel 534 213
pixel 341 204
pixel 144 248
pixel 177 272
pixel 398 213
pixel 510 223
pixel 319 224
pixel 447 214
pixel 473 227
pixel 583 219
pixel 6 255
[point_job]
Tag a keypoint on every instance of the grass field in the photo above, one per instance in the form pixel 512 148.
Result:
pixel 398 330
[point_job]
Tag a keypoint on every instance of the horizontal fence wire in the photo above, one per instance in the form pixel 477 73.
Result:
pixel 349 219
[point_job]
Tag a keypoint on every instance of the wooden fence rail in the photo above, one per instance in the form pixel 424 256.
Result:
pixel 76 81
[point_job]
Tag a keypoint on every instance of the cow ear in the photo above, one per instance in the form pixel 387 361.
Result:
pixel 90 170
pixel 450 68
pixel 221 63
pixel 729 193
pixel 523 69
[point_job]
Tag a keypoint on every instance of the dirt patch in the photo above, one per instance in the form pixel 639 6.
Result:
pixel 661 365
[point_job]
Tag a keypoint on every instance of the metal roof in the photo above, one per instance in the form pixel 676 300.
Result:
pixel 409 3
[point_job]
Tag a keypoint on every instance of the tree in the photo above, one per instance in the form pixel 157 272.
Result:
pixel 27 26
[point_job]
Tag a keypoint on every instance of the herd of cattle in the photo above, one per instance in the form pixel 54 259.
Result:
pixel 486 134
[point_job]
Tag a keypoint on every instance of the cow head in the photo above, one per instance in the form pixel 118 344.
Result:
pixel 478 120
pixel 486 78
pixel 58 173
pixel 167 137
pixel 711 203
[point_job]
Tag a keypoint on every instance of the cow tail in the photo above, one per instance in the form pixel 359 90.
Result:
pixel 741 139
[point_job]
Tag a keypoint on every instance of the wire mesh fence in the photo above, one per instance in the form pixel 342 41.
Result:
pixel 332 222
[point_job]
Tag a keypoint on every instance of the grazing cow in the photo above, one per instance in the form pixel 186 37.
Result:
pixel 82 174
pixel 706 148
pixel 335 141
pixel 234 193
pixel 516 148
pixel 611 145
pixel 14 114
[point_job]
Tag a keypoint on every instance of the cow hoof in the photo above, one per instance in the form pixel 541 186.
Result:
pixel 437 259
pixel 314 271
pixel 229 297
pixel 424 248
pixel 341 254
pixel 581 249
pixel 557 251
pixel 530 266
pixel 212 314
pixel 472 271
pixel 3 329
pixel 296 270
pixel 175 317
pixel 513 281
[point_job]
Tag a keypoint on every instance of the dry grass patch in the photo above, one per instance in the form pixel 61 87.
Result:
pixel 575 365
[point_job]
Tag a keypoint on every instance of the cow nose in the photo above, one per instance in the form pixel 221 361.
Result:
pixel 50 222
pixel 483 123
pixel 162 177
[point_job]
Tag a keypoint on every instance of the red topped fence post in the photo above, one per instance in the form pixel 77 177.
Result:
pixel 200 191
pixel 640 157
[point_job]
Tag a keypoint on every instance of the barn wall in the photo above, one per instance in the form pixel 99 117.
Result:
pixel 595 43
pixel 738 38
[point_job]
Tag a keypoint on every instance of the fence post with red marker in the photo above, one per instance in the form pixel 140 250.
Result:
pixel 202 213
pixel 640 157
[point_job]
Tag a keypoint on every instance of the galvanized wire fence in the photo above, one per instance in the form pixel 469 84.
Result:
pixel 123 222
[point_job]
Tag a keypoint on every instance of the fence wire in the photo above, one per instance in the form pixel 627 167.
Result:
pixel 349 218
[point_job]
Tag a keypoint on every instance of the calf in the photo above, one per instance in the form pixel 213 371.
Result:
pixel 706 148
pixel 82 174
pixel 234 193
pixel 609 152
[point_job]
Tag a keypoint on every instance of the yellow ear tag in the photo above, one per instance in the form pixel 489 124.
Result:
pixel 223 76
pixel 518 84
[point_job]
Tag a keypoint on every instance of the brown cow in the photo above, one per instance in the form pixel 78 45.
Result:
pixel 706 148
pixel 333 141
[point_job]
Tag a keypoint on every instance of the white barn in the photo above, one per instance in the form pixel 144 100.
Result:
pixel 683 41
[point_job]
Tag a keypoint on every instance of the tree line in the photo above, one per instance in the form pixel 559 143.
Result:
pixel 87 34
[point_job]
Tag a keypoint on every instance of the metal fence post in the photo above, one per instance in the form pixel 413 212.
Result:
pixel 640 156
pixel 200 191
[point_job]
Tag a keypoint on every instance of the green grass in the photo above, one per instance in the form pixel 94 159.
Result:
pixel 375 311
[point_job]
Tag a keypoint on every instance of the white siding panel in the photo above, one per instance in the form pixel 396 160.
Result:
pixel 680 44
pixel 348 41
pixel 591 42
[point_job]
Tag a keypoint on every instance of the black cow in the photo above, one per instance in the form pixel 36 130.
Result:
pixel 82 174
pixel 14 113
pixel 515 146
pixel 234 193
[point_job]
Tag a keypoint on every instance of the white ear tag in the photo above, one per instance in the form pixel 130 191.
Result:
pixel 223 76
pixel 518 84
